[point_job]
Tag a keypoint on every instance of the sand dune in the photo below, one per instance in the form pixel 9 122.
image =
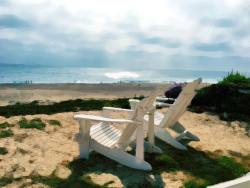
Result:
pixel 45 152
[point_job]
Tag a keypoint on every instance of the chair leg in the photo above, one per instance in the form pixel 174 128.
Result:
pixel 151 134
pixel 166 137
pixel 178 127
pixel 187 135
pixel 84 138
pixel 192 136
pixel 140 142
pixel 183 133
pixel 151 148
pixel 120 156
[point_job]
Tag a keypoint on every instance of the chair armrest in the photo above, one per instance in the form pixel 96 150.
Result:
pixel 117 109
pixel 134 100
pixel 133 103
pixel 162 104
pixel 103 119
pixel 164 99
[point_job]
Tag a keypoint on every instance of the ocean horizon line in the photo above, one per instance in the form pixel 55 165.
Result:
pixel 39 75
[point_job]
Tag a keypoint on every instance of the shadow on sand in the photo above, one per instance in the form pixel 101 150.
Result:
pixel 206 167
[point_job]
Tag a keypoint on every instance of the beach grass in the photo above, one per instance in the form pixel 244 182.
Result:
pixel 6 133
pixel 5 181
pixel 202 168
pixel 165 159
pixel 236 169
pixel 3 151
pixel 195 184
pixel 76 180
pixel 34 107
pixel 54 122
pixel 35 123
pixel 5 125
pixel 230 98
pixel 236 78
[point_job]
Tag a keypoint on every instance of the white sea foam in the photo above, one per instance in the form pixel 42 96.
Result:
pixel 122 75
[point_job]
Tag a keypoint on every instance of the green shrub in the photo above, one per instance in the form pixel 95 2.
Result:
pixel 230 165
pixel 50 181
pixel 5 181
pixel 226 97
pixel 64 106
pixel 23 122
pixel 167 160
pixel 6 133
pixel 54 122
pixel 35 123
pixel 139 97
pixel 3 151
pixel 87 180
pixel 235 78
pixel 194 184
pixel 4 125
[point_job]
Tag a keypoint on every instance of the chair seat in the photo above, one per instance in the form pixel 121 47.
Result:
pixel 158 117
pixel 105 134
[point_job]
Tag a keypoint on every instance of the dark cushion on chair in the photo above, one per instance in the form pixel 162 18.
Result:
pixel 174 91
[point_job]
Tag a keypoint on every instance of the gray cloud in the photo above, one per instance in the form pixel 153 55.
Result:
pixel 212 47
pixel 225 23
pixel 241 33
pixel 159 41
pixel 162 34
pixel 213 63
pixel 38 54
pixel 12 21
pixel 220 22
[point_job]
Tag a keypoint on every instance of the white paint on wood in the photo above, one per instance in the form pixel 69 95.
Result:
pixel 140 142
pixel 151 135
pixel 175 111
pixel 84 131
pixel 104 137
pixel 121 156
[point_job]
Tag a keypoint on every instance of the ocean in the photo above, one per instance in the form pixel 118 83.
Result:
pixel 41 74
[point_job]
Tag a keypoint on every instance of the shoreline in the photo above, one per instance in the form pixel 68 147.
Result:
pixel 12 93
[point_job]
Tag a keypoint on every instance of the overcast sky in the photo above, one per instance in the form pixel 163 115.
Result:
pixel 181 34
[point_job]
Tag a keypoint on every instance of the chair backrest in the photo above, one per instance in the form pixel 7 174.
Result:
pixel 140 110
pixel 180 105
pixel 144 106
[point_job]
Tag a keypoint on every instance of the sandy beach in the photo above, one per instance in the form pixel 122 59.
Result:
pixel 47 153
pixel 11 93
pixel 36 152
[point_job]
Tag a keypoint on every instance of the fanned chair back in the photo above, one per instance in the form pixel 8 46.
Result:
pixel 180 105
pixel 141 109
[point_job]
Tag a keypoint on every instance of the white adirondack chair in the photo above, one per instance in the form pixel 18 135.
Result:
pixel 106 139
pixel 162 101
pixel 170 119
pixel 242 182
